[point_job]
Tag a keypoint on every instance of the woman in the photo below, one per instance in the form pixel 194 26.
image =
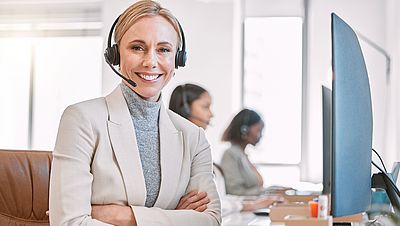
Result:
pixel 193 103
pixel 241 176
pixel 124 159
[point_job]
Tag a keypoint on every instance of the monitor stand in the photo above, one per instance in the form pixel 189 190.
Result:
pixel 380 181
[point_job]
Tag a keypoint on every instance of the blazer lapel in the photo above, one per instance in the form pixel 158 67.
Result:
pixel 124 145
pixel 171 155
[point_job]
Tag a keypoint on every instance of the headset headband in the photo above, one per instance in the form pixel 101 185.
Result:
pixel 112 53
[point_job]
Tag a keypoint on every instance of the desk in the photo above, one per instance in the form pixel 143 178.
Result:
pixel 246 219
pixel 250 219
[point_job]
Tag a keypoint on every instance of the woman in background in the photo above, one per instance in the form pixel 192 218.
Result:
pixel 241 176
pixel 194 103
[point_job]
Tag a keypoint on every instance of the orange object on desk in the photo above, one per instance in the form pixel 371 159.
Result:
pixel 313 208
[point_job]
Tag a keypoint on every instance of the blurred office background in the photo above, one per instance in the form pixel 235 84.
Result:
pixel 268 55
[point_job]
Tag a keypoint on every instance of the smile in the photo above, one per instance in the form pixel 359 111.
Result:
pixel 148 77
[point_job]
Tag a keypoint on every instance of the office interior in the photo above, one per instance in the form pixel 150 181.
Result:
pixel 37 83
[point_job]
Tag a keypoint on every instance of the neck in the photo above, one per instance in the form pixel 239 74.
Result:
pixel 242 145
pixel 152 99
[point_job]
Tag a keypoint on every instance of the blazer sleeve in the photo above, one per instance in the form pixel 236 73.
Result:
pixel 70 190
pixel 201 179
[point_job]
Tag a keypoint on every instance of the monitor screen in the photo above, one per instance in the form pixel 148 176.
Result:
pixel 351 123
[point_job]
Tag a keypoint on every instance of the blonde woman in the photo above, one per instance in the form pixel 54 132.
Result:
pixel 124 159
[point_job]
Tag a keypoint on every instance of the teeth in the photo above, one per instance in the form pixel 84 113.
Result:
pixel 148 77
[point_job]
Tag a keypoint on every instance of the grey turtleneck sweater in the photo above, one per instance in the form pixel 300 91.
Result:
pixel 145 116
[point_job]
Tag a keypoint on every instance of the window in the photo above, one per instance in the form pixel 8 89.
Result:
pixel 273 87
pixel 50 57
pixel 14 92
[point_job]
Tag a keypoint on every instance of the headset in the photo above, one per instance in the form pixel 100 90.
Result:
pixel 112 57
pixel 186 112
pixel 185 104
pixel 244 128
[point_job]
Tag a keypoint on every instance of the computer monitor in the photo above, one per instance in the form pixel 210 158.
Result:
pixel 351 124
pixel 327 139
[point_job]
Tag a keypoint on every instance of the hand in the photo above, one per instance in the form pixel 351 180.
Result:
pixel 261 202
pixel 271 200
pixel 114 214
pixel 193 201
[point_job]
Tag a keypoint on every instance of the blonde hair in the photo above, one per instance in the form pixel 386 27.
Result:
pixel 141 9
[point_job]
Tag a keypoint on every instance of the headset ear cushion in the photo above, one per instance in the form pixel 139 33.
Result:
pixel 244 130
pixel 180 59
pixel 112 55
pixel 185 112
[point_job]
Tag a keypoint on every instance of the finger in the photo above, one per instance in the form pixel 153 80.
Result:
pixel 184 199
pixel 194 199
pixel 190 194
pixel 199 203
pixel 201 208
pixel 197 197
pixel 190 200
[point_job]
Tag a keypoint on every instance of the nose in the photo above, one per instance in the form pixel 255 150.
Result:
pixel 211 114
pixel 150 59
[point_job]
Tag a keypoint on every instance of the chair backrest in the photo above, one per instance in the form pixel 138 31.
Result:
pixel 24 187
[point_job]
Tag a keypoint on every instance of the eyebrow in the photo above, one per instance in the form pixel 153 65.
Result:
pixel 143 42
pixel 140 41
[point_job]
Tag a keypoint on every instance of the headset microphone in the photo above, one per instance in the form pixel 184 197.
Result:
pixel 132 83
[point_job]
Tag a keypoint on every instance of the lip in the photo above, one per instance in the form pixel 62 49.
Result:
pixel 148 77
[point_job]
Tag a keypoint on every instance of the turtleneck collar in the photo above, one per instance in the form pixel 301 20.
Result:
pixel 138 107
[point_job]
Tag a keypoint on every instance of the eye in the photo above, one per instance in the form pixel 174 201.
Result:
pixel 137 48
pixel 164 50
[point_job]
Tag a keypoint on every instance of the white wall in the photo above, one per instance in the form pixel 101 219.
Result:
pixel 392 152
pixel 260 8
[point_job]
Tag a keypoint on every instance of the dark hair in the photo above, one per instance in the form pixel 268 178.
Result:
pixel 240 124
pixel 182 98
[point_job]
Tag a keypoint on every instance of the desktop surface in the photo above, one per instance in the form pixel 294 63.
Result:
pixel 246 219
pixel 250 219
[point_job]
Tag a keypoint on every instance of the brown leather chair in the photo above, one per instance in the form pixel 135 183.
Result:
pixel 24 187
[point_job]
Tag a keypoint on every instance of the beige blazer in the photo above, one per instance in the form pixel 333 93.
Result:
pixel 96 161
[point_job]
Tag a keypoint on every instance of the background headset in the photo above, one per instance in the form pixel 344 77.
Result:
pixel 185 104
pixel 186 112
pixel 244 128
pixel 112 57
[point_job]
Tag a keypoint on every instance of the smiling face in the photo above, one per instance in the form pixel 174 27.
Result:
pixel 147 52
